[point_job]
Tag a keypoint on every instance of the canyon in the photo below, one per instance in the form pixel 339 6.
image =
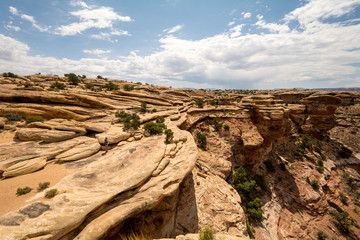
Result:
pixel 299 148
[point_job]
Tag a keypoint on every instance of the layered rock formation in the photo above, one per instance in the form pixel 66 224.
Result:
pixel 142 185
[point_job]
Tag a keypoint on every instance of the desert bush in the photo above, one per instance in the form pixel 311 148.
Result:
pixel 160 119
pixel 226 127
pixel 99 77
pixel 111 86
pixel 213 103
pixel 34 119
pixel 201 140
pixel 217 124
pixel 128 87
pixel 129 121
pixel 321 235
pixel 74 80
pixel 51 193
pixel 12 117
pixel 22 191
pixel 43 186
pixel 199 103
pixel 342 221
pixel 315 185
pixel 320 169
pixel 250 230
pixel 249 191
pixel 10 75
pixel 154 128
pixel 269 166
pixel 154 110
pixel 343 198
pixel 57 86
pixel 206 234
pixel 89 86
pixel 169 136
pixel 143 107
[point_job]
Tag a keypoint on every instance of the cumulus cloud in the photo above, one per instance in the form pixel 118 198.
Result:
pixel 29 18
pixel 10 26
pixel 320 54
pixel 97 51
pixel 247 15
pixel 91 17
pixel 173 29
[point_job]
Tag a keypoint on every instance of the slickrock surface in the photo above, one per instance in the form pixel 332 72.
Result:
pixel 289 139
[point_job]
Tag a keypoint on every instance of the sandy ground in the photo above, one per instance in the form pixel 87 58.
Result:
pixel 6 136
pixel 9 201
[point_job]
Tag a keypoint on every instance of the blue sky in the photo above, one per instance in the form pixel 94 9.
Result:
pixel 245 44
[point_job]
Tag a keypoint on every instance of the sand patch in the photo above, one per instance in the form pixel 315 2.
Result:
pixel 52 173
pixel 6 137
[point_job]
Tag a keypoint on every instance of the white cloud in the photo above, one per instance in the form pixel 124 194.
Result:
pixel 96 51
pixel 12 27
pixel 247 15
pixel 231 23
pixel 173 29
pixel 120 33
pixel 76 3
pixel 108 35
pixel 316 56
pixel 29 18
pixel 96 17
pixel 13 10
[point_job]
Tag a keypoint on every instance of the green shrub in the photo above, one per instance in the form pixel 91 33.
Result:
pixel 169 136
pixel 22 191
pixel 342 221
pixel 206 234
pixel 160 119
pixel 269 166
pixel 89 86
pixel 111 86
pixel 10 75
pixel 320 169
pixel 213 103
pixel 321 235
pixel 74 80
pixel 250 230
pixel 343 198
pixel 13 117
pixel 51 193
pixel 35 119
pixel 83 76
pixel 315 185
pixel 201 140
pixel 128 87
pixel 43 186
pixel 154 110
pixel 226 127
pixel 99 77
pixel 199 103
pixel 135 123
pixel 129 121
pixel 249 191
pixel 143 107
pixel 217 124
pixel 57 85
pixel 154 128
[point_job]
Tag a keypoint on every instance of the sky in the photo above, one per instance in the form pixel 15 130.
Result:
pixel 221 44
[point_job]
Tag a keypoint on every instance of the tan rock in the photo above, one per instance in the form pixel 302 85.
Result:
pixel 84 149
pixel 30 134
pixel 114 135
pixel 25 167
pixel 57 136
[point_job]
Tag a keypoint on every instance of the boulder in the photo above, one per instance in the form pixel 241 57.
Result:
pixel 30 134
pixel 57 136
pixel 114 135
pixel 80 151
pixel 25 167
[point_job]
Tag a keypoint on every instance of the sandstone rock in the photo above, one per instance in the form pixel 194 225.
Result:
pixel 84 149
pixel 25 167
pixel 30 134
pixel 114 135
pixel 96 127
pixel 2 122
pixel 57 136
